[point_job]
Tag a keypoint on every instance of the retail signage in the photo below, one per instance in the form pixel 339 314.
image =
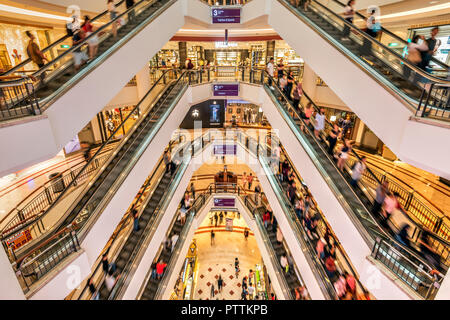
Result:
pixel 224 90
pixel 226 15
pixel 224 202
pixel 229 224
pixel 19 239
pixel 222 150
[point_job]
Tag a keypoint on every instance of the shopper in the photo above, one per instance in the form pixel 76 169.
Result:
pixel 402 236
pixel 112 16
pixel 236 267
pixel 250 180
pixel 220 283
pixel 299 208
pixel 135 215
pixel 160 266
pixel 284 263
pixel 372 30
pixel 95 295
pixel 358 171
pixel 280 69
pixel 389 205
pixel 333 136
pixel 213 236
pixel 89 29
pixel 246 234
pixel 79 56
pixel 279 236
pixel 33 51
pixel 290 85
pixel 251 292
pixel 130 9
pixel 221 215
pixel 416 51
pixel 319 123
pixel 344 154
pixel 349 12
pixel 193 190
pixel 174 240
pixel 282 82
pixel 297 95
pixel 380 195
pixel 292 193
pixel 266 219
pixel 433 45
pixel 110 280
pixel 105 263
pixel 270 70
pixel 308 113
pixel 244 180
pixel 216 218
pixel 166 159
pixel 257 194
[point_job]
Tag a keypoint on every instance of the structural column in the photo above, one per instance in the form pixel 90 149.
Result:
pixel 11 289
pixel 143 81
pixel 309 82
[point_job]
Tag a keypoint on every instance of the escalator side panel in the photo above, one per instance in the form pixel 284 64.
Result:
pixel 105 224
pixel 68 114
pixel 344 227
pixel 378 106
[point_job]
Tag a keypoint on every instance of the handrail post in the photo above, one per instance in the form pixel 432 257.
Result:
pixel 408 200
pixel 438 225
pixel 49 197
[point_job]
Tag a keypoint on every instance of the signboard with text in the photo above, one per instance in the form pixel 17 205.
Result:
pixel 19 239
pixel 224 149
pixel 226 15
pixel 224 202
pixel 224 90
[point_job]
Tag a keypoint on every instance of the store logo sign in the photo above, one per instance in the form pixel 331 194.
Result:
pixel 221 44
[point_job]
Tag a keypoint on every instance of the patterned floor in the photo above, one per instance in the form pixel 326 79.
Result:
pixel 218 259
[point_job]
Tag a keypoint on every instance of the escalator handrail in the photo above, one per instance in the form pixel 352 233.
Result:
pixel 164 201
pixel 78 46
pixel 431 78
pixel 123 223
pixel 391 34
pixel 374 220
pixel 301 229
pixel 336 240
pixel 433 234
pixel 62 39
pixel 3 236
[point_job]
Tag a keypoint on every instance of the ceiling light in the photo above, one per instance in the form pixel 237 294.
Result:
pixel 417 11
pixel 32 13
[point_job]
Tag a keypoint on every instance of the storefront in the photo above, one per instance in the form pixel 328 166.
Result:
pixel 240 112
pixel 232 53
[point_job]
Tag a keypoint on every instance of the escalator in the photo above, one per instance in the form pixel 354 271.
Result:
pixel 135 239
pixel 383 62
pixel 355 201
pixel 112 173
pixel 291 277
pixel 289 280
pixel 32 94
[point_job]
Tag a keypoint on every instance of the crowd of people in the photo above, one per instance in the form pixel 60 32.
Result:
pixel 319 235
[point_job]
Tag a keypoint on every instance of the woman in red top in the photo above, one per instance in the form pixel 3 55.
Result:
pixel 88 28
pixel 160 269
pixel 266 219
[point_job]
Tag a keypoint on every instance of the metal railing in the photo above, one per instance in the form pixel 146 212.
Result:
pixel 369 227
pixel 42 198
pixel 63 62
pixel 85 212
pixel 417 79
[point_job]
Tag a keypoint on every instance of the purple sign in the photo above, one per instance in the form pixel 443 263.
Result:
pixel 224 202
pixel 226 15
pixel 222 150
pixel 223 90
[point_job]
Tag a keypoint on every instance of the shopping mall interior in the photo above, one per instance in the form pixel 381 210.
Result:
pixel 225 150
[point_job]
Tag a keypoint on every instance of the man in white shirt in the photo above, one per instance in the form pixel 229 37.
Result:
pixel 174 240
pixel 270 69
pixel 358 171
pixel 251 291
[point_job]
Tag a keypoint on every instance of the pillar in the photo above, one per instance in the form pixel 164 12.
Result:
pixel 143 81
pixel 182 50
pixel 309 82
pixel 11 289
pixel 444 290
